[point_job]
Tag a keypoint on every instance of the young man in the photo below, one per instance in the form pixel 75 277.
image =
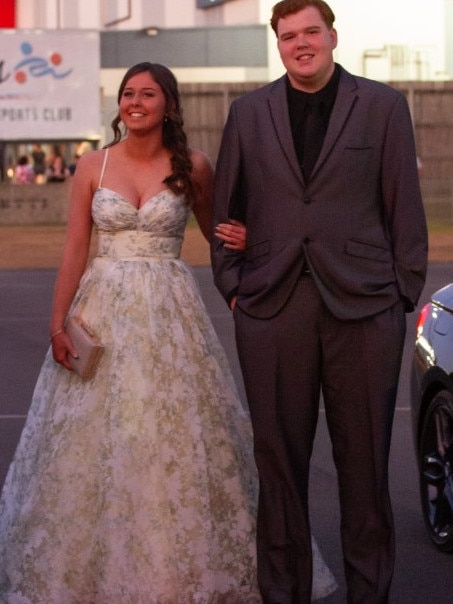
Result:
pixel 321 166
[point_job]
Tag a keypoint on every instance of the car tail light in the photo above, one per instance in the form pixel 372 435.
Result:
pixel 422 318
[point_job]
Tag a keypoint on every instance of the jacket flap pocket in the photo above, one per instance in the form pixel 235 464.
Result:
pixel 365 250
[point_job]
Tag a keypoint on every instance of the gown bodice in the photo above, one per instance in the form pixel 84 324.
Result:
pixel 156 229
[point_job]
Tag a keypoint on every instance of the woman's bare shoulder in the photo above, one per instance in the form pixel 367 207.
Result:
pixel 90 163
pixel 92 158
pixel 199 158
pixel 201 164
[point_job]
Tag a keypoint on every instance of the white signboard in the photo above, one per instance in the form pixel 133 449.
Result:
pixel 49 85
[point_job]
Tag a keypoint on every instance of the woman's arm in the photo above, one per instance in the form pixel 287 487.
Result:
pixel 75 252
pixel 233 233
pixel 203 176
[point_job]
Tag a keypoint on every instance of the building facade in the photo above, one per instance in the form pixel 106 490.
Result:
pixel 229 40
pixel 215 43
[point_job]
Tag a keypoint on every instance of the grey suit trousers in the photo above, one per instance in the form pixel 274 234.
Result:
pixel 286 361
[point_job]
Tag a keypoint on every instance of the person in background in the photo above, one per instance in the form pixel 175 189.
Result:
pixel 137 485
pixel 72 166
pixel 23 172
pixel 321 167
pixel 2 161
pixel 56 166
pixel 39 163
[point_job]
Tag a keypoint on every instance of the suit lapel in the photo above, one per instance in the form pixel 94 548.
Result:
pixel 278 107
pixel 341 111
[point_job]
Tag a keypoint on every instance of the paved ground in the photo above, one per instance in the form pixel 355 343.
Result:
pixel 422 576
pixel 26 247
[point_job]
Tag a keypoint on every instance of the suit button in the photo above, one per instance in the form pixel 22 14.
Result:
pixel 307 200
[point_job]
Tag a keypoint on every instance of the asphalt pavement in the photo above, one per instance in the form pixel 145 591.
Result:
pixel 422 576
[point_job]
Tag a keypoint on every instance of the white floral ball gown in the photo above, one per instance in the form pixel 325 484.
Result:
pixel 136 486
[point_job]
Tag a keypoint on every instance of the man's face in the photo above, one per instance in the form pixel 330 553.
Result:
pixel 306 49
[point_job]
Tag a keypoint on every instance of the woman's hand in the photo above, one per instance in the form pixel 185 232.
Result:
pixel 233 234
pixel 62 347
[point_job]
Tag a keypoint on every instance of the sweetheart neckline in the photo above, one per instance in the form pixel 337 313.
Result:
pixel 124 200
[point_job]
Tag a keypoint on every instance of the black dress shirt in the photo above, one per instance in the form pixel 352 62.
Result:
pixel 309 115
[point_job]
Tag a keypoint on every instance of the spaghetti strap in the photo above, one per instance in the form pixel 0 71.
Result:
pixel 104 163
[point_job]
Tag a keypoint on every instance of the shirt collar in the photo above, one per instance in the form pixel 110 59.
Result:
pixel 325 96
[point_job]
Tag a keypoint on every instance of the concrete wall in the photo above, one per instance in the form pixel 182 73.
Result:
pixel 34 204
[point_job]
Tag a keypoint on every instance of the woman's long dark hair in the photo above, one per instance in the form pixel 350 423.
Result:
pixel 174 137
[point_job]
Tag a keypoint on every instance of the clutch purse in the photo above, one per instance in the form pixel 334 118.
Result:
pixel 87 346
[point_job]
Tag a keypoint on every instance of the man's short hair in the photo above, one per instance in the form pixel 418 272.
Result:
pixel 288 7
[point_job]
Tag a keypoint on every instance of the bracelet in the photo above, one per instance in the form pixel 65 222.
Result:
pixel 55 334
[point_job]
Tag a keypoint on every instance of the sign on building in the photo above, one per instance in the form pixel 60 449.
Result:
pixel 49 85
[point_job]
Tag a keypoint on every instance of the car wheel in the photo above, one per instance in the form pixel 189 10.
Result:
pixel 436 466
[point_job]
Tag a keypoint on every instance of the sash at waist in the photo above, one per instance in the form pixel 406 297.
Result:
pixel 137 244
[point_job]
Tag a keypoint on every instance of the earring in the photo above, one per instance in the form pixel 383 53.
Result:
pixel 165 119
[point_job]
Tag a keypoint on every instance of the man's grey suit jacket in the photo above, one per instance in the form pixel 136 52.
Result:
pixel 359 220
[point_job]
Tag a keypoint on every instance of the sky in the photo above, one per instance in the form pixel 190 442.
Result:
pixel 370 24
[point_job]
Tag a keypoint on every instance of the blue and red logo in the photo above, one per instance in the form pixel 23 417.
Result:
pixel 34 66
